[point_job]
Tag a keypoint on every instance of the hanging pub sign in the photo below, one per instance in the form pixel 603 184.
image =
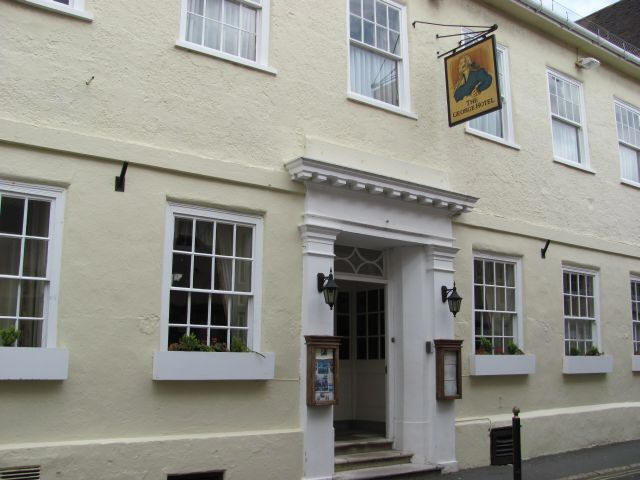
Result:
pixel 472 81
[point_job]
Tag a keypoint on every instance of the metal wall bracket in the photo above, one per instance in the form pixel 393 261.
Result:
pixel 543 251
pixel 120 179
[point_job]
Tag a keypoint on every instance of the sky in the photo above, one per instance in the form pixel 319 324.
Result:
pixel 585 7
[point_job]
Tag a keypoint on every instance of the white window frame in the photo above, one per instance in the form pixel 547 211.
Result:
pixel 635 280
pixel 518 333
pixel 56 197
pixel 596 337
pixel 508 134
pixel 262 38
pixel 404 84
pixel 585 163
pixel 76 8
pixel 627 106
pixel 253 322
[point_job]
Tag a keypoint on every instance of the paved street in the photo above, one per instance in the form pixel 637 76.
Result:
pixel 619 461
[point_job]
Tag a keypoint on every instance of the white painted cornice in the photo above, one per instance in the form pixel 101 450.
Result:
pixel 315 171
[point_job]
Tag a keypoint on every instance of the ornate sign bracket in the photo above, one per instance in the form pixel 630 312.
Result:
pixel 477 35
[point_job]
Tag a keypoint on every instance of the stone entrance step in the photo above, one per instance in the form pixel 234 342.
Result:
pixel 373 444
pixel 352 461
pixel 394 471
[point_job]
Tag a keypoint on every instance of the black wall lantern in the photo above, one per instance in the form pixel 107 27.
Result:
pixel 454 299
pixel 329 289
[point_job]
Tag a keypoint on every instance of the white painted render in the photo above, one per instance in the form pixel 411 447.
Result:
pixel 203 131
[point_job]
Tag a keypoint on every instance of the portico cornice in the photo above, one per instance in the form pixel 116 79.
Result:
pixel 307 171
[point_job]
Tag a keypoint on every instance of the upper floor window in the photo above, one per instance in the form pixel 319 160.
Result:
pixel 567 119
pixel 232 29
pixel 580 293
pixel 213 278
pixel 378 66
pixel 635 313
pixel 497 312
pixel 72 8
pixel 29 263
pixel 497 124
pixel 628 123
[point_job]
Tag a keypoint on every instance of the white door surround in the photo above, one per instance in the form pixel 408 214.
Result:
pixel 413 223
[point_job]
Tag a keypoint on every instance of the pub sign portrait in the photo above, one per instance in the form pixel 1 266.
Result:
pixel 472 81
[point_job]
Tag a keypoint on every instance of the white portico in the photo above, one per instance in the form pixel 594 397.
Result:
pixel 411 223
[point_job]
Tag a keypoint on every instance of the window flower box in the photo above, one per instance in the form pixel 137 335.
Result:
pixel 213 366
pixel 485 365
pixel 580 364
pixel 31 363
pixel 635 363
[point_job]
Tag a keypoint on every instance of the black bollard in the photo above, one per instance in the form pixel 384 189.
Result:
pixel 517 453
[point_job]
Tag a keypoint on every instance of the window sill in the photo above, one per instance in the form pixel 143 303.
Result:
pixel 22 363
pixel 485 365
pixel 225 56
pixel 355 97
pixel 491 138
pixel 213 366
pixel 60 8
pixel 631 183
pixel 577 166
pixel 635 363
pixel 579 364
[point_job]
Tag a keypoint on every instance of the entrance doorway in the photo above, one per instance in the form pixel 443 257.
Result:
pixel 360 319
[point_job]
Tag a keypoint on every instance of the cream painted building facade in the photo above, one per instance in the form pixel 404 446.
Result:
pixel 269 141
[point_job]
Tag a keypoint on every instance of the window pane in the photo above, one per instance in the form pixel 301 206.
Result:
pixel 238 339
pixel 214 9
pixel 565 141
pixel 230 40
pixel 248 45
pixel 224 271
pixel 239 310
pixel 355 7
pixel 178 307
pixel 204 236
pixel 478 297
pixel 31 298
pixel 199 309
pixel 8 297
pixel 373 348
pixel 361 325
pixel 182 234
pixel 630 163
pixel 488 273
pixel 381 14
pixel 369 33
pixel 175 334
pixel 477 271
pixel 243 276
pixel 373 75
pixel 9 256
pixel 212 34
pixel 382 38
pixel 181 271
pixel 219 310
pixel 30 333
pixel 224 239
pixel 11 214
pixel 194 28
pixel 244 241
pixel 355 27
pixel 394 19
pixel 38 218
pixel 195 6
pixel 372 301
pixel 361 345
pixel 34 263
pixel 368 9
pixel 248 19
pixel 232 13
pixel 202 272
pixel 510 274
pixel 372 324
pixel 219 336
pixel 394 43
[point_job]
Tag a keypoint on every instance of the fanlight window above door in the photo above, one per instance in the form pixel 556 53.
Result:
pixel 359 261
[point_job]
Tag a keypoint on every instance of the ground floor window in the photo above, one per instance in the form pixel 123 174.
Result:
pixel 580 313
pixel 635 314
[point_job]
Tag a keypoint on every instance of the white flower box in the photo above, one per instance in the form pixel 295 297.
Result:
pixel 635 363
pixel 480 365
pixel 213 366
pixel 31 363
pixel 581 364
